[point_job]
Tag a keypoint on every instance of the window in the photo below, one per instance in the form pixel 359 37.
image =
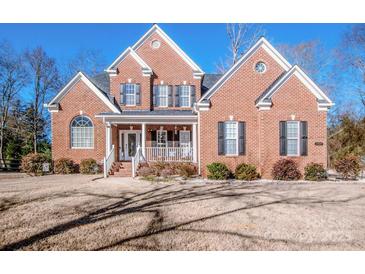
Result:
pixel 260 67
pixel 185 96
pixel 130 94
pixel 161 138
pixel 292 128
pixel 155 44
pixel 82 133
pixel 162 96
pixel 230 138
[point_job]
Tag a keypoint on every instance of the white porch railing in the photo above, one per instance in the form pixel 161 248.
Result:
pixel 136 159
pixel 169 154
pixel 108 162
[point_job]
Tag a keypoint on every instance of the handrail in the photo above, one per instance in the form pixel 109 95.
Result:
pixel 136 159
pixel 169 154
pixel 108 161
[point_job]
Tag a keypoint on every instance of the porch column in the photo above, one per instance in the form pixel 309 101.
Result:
pixel 144 139
pixel 195 142
pixel 108 138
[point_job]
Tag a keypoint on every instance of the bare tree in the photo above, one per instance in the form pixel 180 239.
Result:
pixel 241 37
pixel 90 61
pixel 45 81
pixel 13 78
pixel 351 56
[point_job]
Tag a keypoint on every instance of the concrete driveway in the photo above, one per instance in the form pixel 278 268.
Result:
pixel 76 212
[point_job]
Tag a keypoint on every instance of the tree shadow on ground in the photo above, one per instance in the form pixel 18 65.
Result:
pixel 152 201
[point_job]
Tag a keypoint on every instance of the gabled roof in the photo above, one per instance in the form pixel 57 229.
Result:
pixel 209 80
pixel 322 99
pixel 146 70
pixel 54 103
pixel 102 81
pixel 198 72
pixel 261 43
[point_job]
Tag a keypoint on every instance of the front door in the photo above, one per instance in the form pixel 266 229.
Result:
pixel 129 141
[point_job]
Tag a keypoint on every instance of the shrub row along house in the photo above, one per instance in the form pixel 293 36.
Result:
pixel 154 103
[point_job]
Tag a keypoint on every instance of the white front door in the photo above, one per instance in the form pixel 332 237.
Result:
pixel 129 140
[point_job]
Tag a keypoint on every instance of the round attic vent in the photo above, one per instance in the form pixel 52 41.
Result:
pixel 260 67
pixel 155 44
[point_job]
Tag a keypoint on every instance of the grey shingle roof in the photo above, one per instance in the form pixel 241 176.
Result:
pixel 166 112
pixel 209 80
pixel 101 80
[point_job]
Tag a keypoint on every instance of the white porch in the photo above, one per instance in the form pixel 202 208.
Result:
pixel 167 139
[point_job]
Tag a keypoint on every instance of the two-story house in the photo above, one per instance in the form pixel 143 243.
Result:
pixel 154 101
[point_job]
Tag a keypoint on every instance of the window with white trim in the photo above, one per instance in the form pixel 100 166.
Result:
pixel 292 129
pixel 184 96
pixel 163 96
pixel 161 138
pixel 82 132
pixel 130 94
pixel 231 138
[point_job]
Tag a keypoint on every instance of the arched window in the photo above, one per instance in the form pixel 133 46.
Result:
pixel 82 132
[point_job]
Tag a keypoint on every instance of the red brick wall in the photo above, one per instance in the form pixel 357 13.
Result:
pixel 237 98
pixel 167 65
pixel 79 98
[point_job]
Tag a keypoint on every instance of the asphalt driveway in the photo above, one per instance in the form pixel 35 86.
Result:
pixel 78 212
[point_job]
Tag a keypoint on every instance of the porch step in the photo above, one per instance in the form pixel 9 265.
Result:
pixel 121 169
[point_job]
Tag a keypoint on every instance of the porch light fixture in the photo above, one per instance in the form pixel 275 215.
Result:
pixel 131 127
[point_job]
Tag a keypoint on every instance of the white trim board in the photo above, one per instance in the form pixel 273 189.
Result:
pixel 197 71
pixel 303 77
pixel 146 70
pixel 261 43
pixel 81 77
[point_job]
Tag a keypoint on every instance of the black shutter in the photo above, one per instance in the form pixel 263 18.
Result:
pixel 177 96
pixel 282 145
pixel 138 94
pixel 221 138
pixel 303 138
pixel 242 138
pixel 122 94
pixel 192 95
pixel 154 95
pixel 170 96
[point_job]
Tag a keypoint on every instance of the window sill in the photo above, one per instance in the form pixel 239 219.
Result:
pixel 82 148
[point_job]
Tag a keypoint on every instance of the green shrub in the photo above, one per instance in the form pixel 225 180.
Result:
pixel 315 172
pixel 348 167
pixel 33 163
pixel 186 170
pixel 64 166
pixel 286 169
pixel 246 172
pixel 89 166
pixel 218 171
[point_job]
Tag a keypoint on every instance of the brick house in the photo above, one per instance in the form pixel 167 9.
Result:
pixel 155 103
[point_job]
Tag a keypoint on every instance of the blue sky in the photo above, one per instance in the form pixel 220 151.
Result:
pixel 206 44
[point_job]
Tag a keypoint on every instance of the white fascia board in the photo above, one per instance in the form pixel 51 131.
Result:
pixel 155 28
pixel 81 77
pixel 303 77
pixel 262 42
pixel 130 119
pixel 146 70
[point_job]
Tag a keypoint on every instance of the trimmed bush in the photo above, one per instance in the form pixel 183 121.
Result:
pixel 186 170
pixel 89 166
pixel 145 171
pixel 159 166
pixel 218 171
pixel 286 169
pixel 64 166
pixel 348 167
pixel 32 163
pixel 315 172
pixel 246 172
pixel 167 172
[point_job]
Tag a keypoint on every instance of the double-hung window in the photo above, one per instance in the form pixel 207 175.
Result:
pixel 130 94
pixel 231 138
pixel 292 128
pixel 161 138
pixel 163 96
pixel 185 95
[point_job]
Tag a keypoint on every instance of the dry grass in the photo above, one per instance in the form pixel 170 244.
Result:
pixel 75 212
